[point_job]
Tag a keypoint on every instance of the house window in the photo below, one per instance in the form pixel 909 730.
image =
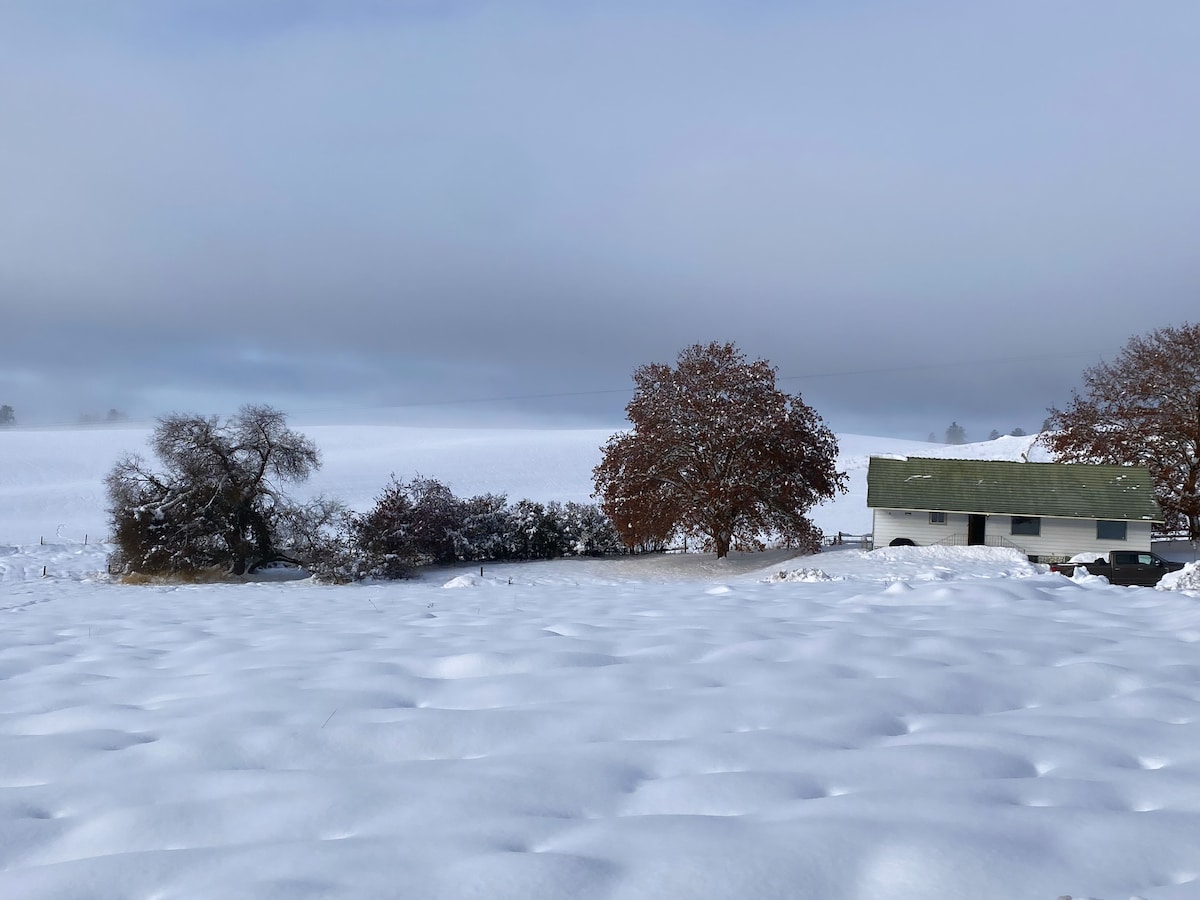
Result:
pixel 937 518
pixel 1110 531
pixel 1031 526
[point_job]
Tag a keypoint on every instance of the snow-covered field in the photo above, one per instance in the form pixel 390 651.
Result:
pixel 908 723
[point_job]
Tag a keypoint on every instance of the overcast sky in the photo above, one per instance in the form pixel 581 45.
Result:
pixel 918 212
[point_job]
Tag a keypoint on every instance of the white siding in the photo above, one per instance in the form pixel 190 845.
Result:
pixel 1066 537
pixel 1059 537
pixel 914 525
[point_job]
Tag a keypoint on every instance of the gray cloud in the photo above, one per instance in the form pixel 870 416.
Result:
pixel 941 212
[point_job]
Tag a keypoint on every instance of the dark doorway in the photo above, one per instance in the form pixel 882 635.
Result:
pixel 976 529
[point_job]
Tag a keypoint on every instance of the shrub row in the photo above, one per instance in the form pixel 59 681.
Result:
pixel 421 522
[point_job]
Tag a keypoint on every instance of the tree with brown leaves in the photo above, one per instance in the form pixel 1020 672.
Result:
pixel 716 450
pixel 1143 408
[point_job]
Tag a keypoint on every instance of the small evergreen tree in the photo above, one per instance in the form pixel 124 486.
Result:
pixel 956 434
pixel 7 415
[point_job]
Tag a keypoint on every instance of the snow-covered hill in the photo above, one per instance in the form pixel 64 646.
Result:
pixel 914 723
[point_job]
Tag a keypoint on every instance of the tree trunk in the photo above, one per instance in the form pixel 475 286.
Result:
pixel 237 552
pixel 722 541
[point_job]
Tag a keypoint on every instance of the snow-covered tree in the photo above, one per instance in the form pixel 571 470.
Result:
pixel 218 499
pixel 588 531
pixel 533 531
pixel 381 540
pixel 419 522
pixel 717 450
pixel 1143 408
pixel 482 533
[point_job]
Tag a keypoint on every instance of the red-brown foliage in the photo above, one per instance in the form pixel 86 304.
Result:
pixel 717 450
pixel 1143 408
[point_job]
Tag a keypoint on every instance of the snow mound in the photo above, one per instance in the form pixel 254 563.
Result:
pixel 935 563
pixel 463 581
pixel 1186 579
pixel 801 575
pixel 1081 575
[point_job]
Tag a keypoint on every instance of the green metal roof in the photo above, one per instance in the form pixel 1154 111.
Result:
pixel 1061 490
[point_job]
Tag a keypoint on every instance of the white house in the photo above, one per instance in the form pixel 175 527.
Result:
pixel 1048 511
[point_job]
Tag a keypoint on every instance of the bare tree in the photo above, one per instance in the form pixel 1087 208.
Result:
pixel 219 499
pixel 717 450
pixel 1143 408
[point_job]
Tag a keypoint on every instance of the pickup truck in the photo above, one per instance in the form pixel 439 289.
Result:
pixel 1127 567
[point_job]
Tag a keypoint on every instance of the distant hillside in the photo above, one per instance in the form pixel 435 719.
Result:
pixel 52 480
pixel 849 513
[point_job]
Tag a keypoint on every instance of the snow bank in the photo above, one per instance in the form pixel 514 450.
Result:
pixel 1186 579
pixel 572 735
pixel 934 563
pixel 1081 575
pixel 809 575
